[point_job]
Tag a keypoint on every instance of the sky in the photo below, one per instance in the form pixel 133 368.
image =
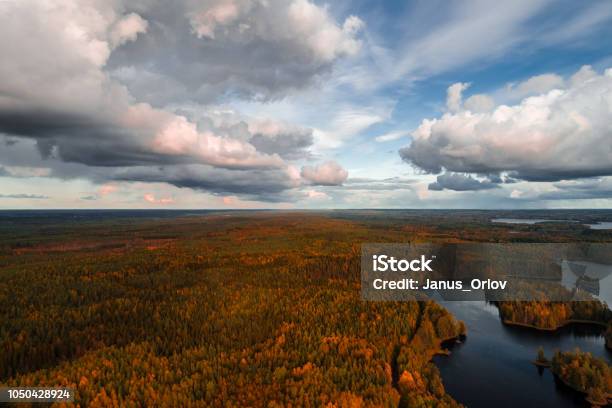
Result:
pixel 293 104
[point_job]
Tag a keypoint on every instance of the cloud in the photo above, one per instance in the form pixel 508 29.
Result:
pixel 460 182
pixel 87 121
pixel 439 37
pixel 388 137
pixel 535 85
pixel 465 32
pixel 317 195
pixel 346 124
pixel 369 184
pixel 454 96
pixel 150 198
pixel 258 184
pixel 580 190
pixel 569 29
pixel 201 51
pixel 557 135
pixel 287 141
pixel 24 171
pixel 127 29
pixel 25 196
pixel 108 188
pixel 479 103
pixel 329 173
pixel 266 184
pixel 182 140
pixel 297 23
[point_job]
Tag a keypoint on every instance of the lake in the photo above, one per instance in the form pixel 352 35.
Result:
pixel 526 221
pixel 492 367
pixel 601 225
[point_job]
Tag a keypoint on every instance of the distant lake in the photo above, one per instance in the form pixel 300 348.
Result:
pixel 601 226
pixel 604 225
pixel 492 367
pixel 527 221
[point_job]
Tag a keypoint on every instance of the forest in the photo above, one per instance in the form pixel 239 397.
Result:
pixel 231 309
pixel 586 374
pixel 552 315
pixel 213 312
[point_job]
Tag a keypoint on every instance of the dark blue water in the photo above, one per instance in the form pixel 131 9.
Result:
pixel 492 367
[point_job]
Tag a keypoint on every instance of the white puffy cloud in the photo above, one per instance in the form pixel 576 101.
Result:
pixel 299 24
pixel 585 73
pixel 454 96
pixel 479 103
pixel 560 134
pixel 329 173
pixel 62 48
pixel 535 85
pixel 127 29
pixel 179 137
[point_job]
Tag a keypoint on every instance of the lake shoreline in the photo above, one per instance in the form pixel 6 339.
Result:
pixel 552 329
pixel 587 398
pixel 548 364
pixel 504 354
pixel 607 344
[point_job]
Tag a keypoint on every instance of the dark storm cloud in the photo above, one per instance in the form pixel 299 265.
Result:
pixel 460 182
pixel 291 146
pixel 80 140
pixel 266 185
pixel 580 190
pixel 80 95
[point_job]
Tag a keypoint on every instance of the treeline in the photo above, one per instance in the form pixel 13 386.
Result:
pixel 551 315
pixel 229 313
pixel 585 373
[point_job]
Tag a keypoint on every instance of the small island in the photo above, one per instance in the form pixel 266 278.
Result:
pixel 550 316
pixel 581 371
pixel 541 360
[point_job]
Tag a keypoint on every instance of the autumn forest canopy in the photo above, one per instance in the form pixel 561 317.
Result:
pixel 245 309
